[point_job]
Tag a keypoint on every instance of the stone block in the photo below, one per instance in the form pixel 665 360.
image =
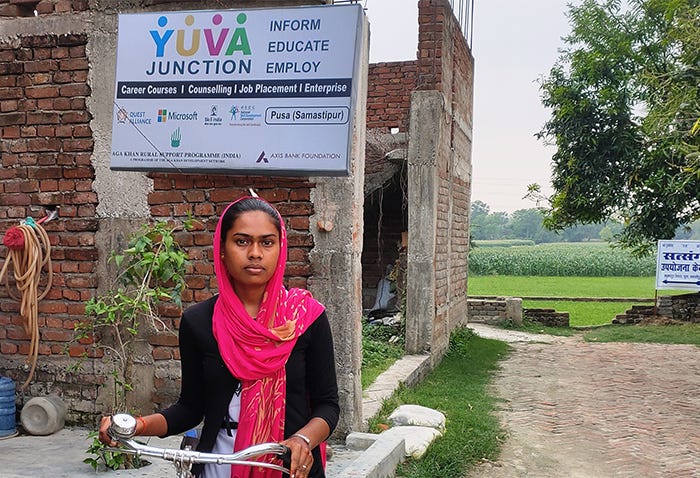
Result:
pixel 417 415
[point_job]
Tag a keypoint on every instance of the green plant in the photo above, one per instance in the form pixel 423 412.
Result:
pixel 381 346
pixel 111 460
pixel 151 270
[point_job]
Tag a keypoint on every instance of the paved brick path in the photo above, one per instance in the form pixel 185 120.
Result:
pixel 576 409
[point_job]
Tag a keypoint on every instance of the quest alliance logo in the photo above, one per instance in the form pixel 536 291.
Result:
pixel 220 41
pixel 213 119
pixel 133 117
pixel 122 116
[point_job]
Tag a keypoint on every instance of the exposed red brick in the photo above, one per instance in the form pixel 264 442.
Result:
pixel 161 353
pixel 166 339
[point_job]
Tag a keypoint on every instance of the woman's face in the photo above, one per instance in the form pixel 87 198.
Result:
pixel 251 249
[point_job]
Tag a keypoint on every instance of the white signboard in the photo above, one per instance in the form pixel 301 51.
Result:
pixel 678 265
pixel 258 91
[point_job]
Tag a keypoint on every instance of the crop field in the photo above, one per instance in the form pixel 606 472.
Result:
pixel 560 259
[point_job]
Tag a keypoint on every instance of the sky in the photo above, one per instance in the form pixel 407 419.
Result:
pixel 514 43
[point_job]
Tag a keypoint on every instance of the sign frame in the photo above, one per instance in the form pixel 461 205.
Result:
pixel 678 265
pixel 290 103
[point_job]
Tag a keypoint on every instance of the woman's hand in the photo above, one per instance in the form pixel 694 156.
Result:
pixel 103 436
pixel 301 457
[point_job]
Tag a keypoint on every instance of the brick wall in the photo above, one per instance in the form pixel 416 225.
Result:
pixel 46 163
pixel 682 308
pixel 42 7
pixel 495 311
pixel 46 155
pixel 389 95
pixel 46 149
pixel 445 64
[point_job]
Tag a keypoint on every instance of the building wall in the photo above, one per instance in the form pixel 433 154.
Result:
pixel 390 86
pixel 47 144
pixel 389 95
pixel 439 180
pixel 56 92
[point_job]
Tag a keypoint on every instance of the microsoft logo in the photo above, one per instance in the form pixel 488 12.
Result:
pixel 162 116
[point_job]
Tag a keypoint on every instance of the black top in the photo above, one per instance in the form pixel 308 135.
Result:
pixel 208 386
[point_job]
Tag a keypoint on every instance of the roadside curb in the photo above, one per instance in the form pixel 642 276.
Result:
pixel 379 460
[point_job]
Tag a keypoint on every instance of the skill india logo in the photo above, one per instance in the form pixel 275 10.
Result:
pixel 219 41
pixel 213 119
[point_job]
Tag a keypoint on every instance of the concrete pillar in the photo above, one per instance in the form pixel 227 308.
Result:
pixel 337 227
pixel 427 133
pixel 514 310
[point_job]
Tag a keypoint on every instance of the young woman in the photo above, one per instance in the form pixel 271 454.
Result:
pixel 257 359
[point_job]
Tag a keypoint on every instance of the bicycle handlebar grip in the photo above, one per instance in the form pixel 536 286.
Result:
pixel 286 458
pixel 123 427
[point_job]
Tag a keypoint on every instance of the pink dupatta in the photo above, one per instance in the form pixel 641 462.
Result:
pixel 255 350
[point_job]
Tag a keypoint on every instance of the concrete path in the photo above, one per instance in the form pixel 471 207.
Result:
pixel 591 410
pixel 61 455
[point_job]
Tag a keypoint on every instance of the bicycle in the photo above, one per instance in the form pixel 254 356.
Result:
pixel 122 431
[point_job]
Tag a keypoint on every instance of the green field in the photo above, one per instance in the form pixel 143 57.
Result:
pixel 544 286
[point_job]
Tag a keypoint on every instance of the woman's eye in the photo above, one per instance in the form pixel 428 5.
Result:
pixel 268 243
pixel 241 242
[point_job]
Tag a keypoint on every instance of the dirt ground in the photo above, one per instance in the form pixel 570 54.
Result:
pixel 592 410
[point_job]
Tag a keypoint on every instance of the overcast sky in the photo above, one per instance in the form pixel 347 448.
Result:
pixel 514 44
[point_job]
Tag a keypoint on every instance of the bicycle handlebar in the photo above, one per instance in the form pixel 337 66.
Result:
pixel 124 425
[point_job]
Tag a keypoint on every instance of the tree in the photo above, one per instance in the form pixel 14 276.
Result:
pixel 152 271
pixel 626 118
pixel 526 224
pixel 485 224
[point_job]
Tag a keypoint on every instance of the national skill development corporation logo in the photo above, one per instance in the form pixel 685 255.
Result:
pixel 244 115
pixel 219 41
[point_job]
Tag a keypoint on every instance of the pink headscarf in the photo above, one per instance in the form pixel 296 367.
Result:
pixel 256 349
